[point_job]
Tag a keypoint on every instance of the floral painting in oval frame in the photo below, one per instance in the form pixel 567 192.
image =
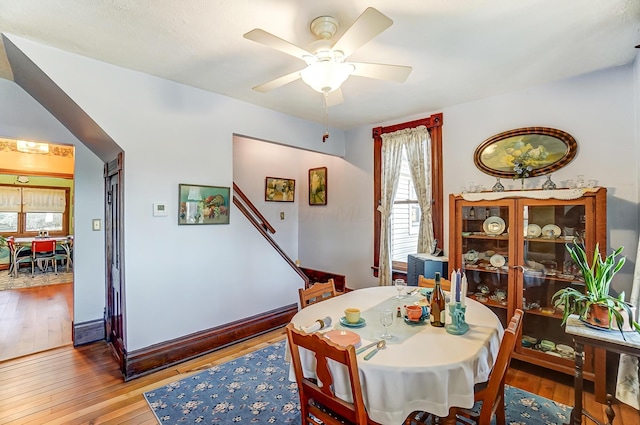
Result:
pixel 543 149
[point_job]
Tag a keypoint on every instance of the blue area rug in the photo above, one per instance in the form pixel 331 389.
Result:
pixel 255 389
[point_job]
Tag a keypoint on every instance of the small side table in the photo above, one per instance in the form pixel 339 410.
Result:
pixel 610 341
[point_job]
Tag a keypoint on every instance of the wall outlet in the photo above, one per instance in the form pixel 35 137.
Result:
pixel 96 224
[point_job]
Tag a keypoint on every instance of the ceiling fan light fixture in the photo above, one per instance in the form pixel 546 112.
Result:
pixel 326 76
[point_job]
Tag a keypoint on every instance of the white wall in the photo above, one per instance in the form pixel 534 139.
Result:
pixel 598 110
pixel 22 117
pixel 181 279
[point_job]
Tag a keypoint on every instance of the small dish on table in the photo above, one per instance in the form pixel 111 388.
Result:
pixel 359 324
pixel 423 320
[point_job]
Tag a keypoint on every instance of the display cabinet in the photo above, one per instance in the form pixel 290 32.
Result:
pixel 511 246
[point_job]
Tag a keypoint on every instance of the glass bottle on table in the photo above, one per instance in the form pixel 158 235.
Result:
pixel 437 311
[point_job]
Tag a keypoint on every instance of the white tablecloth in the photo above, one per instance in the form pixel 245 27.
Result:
pixel 425 368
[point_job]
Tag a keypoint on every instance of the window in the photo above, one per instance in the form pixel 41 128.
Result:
pixel 434 125
pixel 405 216
pixel 25 211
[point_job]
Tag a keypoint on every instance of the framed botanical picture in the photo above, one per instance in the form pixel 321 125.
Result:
pixel 318 186
pixel 199 204
pixel 279 190
pixel 538 150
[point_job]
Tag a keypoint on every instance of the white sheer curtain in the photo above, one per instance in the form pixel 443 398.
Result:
pixel 391 161
pixel 418 145
pixel 10 199
pixel 43 200
pixel 628 387
pixel 419 155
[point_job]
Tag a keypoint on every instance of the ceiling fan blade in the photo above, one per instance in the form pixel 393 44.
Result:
pixel 270 40
pixel 381 71
pixel 335 98
pixel 366 27
pixel 278 82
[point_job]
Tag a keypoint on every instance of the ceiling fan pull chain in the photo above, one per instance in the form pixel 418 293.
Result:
pixel 325 120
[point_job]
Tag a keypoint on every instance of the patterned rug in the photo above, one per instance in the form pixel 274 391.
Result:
pixel 24 279
pixel 255 389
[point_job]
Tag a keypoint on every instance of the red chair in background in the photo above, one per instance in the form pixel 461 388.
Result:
pixel 43 251
pixel 18 255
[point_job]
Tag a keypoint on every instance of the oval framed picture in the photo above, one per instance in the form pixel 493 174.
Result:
pixel 543 149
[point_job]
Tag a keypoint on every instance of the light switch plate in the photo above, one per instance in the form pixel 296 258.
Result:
pixel 96 224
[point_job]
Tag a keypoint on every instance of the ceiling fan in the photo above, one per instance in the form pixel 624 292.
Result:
pixel 326 68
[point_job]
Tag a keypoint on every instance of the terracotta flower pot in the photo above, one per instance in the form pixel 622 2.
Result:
pixel 599 316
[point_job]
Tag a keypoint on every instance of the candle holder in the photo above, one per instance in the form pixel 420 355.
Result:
pixel 458 326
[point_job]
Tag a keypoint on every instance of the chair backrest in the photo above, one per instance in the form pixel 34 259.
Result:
pixel 494 392
pixel 12 244
pixel 316 293
pixel 430 283
pixel 43 246
pixel 317 396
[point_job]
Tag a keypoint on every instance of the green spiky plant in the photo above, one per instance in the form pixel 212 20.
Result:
pixel 597 279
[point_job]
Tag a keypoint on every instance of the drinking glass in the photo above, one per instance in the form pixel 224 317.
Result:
pixel 386 319
pixel 400 284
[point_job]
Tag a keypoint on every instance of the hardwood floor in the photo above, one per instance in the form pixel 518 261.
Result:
pixel 84 386
pixel 35 319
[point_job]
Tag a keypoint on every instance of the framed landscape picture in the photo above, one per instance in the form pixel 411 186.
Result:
pixel 203 204
pixel 279 189
pixel 318 186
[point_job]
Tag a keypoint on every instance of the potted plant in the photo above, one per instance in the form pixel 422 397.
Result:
pixel 595 306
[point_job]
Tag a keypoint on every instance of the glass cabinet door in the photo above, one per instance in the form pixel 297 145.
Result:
pixel 485 250
pixel 547 267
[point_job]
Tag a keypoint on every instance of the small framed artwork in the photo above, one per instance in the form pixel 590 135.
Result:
pixel 279 190
pixel 203 204
pixel 318 186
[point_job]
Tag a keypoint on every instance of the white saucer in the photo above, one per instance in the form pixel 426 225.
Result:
pixel 497 260
pixel 533 231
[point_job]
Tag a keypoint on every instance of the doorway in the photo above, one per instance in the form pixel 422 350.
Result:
pixel 37 184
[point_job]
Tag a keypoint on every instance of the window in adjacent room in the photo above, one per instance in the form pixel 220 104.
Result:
pixel 25 211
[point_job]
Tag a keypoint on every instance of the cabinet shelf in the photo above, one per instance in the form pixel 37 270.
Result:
pixel 490 303
pixel 545 313
pixel 487 237
pixel 535 268
pixel 550 240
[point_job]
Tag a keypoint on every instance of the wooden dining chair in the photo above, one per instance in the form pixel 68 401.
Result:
pixel 43 250
pixel 316 293
pixel 430 283
pixel 317 396
pixel 488 396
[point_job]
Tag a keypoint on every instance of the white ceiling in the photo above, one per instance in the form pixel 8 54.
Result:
pixel 460 50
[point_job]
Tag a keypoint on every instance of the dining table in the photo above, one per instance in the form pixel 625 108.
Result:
pixel 422 367
pixel 25 243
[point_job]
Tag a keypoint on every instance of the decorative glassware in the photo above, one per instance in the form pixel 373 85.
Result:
pixel 549 185
pixel 498 187
pixel 400 284
pixel 386 320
